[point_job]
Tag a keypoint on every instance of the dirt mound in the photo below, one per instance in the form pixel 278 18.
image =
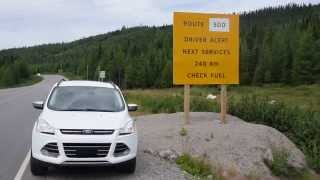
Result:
pixel 238 145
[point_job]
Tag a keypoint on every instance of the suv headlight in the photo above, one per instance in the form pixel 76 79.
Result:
pixel 44 127
pixel 129 128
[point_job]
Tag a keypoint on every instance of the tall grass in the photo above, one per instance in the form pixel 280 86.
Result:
pixel 299 125
pixel 197 167
pixel 171 104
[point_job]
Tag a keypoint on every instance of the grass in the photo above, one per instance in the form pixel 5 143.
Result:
pixel 197 167
pixel 304 96
pixel 183 132
pixel 25 82
pixel 171 100
pixel 280 167
pixel 165 103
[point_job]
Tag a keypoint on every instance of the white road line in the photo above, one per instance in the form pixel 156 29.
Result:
pixel 23 166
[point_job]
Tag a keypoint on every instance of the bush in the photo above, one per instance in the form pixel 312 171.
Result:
pixel 195 166
pixel 301 126
pixel 279 166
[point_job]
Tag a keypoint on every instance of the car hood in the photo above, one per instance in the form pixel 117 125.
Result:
pixel 85 120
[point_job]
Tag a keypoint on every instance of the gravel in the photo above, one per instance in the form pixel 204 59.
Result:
pixel 148 167
pixel 237 146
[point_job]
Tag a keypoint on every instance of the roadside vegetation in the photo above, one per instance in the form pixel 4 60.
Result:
pixel 16 73
pixel 151 100
pixel 300 125
pixel 70 76
pixel 151 104
pixel 295 111
pixel 280 167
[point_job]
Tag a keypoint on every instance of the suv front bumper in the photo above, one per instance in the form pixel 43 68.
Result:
pixel 39 140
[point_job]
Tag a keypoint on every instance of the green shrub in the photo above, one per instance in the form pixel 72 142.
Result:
pixel 279 166
pixel 299 125
pixel 195 166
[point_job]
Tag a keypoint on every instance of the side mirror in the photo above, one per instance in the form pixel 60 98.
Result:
pixel 132 107
pixel 38 104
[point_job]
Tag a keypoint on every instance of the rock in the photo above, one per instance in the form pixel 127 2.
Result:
pixel 212 97
pixel 272 102
pixel 268 157
pixel 149 151
pixel 296 159
pixel 210 177
pixel 173 157
pixel 164 154
pixel 168 154
pixel 238 145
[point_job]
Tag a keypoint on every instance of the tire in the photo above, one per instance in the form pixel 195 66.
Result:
pixel 37 167
pixel 128 167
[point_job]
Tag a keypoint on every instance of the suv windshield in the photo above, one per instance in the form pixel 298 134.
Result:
pixel 85 98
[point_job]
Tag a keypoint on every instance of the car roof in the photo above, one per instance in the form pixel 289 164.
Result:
pixel 88 83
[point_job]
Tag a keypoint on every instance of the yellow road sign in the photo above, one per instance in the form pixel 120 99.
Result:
pixel 205 48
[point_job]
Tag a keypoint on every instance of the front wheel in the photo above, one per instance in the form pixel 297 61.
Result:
pixel 128 166
pixel 37 167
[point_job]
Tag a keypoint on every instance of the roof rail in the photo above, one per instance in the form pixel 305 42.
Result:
pixel 61 80
pixel 114 85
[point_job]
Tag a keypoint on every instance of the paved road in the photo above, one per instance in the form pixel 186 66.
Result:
pixel 16 121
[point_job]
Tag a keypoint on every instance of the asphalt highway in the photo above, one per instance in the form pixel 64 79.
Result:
pixel 16 121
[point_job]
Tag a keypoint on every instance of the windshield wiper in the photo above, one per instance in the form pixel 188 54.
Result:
pixel 99 110
pixel 89 109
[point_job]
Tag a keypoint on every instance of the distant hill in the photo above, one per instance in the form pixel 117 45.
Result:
pixel 277 45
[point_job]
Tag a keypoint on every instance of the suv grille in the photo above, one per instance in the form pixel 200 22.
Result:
pixel 121 149
pixel 86 150
pixel 87 131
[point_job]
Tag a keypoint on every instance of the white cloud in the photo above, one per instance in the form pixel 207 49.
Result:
pixel 30 22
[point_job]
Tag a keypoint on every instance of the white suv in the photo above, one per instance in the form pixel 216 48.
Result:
pixel 84 123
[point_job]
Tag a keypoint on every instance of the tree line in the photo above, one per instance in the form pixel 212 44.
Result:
pixel 14 72
pixel 277 45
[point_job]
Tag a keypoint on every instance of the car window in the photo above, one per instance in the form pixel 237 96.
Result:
pixel 85 98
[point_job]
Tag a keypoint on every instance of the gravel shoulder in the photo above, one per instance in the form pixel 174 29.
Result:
pixel 238 146
pixel 148 167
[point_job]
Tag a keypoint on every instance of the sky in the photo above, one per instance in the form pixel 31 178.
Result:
pixel 33 22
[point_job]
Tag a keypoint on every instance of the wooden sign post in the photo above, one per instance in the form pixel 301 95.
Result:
pixel 205 51
pixel 186 104
pixel 223 103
